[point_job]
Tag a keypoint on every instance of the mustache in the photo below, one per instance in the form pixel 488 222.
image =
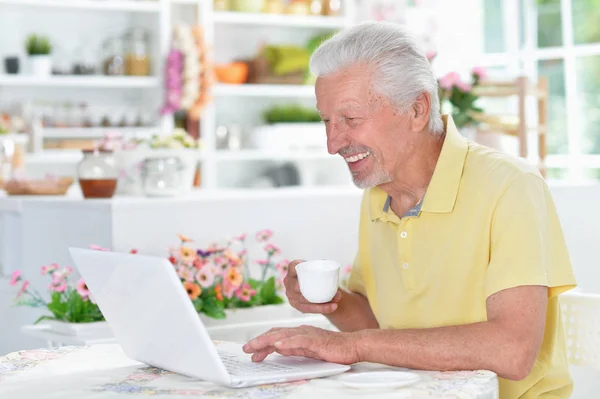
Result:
pixel 353 149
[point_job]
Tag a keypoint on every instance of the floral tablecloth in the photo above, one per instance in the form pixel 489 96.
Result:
pixel 103 372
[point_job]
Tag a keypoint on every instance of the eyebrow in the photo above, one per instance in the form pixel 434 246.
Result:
pixel 346 104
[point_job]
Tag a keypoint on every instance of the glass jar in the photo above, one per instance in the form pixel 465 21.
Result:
pixel 162 176
pixel 98 174
pixel 137 54
pixel 113 63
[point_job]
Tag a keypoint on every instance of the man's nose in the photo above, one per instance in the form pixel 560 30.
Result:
pixel 336 139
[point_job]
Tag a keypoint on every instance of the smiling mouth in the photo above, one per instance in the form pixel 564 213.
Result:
pixel 357 157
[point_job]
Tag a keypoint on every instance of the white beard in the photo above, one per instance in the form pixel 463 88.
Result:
pixel 377 177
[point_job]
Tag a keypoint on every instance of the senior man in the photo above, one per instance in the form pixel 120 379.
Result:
pixel 461 258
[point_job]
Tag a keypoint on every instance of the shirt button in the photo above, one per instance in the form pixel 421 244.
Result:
pixel 403 234
pixel 405 265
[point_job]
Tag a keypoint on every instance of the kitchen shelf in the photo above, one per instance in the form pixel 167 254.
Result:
pixel 18 138
pixel 95 5
pixel 264 90
pixel 54 157
pixel 266 155
pixel 262 20
pixel 87 81
pixel 96 132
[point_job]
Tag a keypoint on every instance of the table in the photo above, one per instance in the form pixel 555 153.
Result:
pixel 103 371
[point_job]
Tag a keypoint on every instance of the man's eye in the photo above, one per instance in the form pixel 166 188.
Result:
pixel 326 121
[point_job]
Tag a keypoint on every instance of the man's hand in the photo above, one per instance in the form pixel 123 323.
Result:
pixel 306 341
pixel 292 290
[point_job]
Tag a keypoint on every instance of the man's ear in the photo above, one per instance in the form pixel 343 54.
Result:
pixel 420 112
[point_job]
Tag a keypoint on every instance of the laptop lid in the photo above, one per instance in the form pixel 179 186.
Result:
pixel 150 313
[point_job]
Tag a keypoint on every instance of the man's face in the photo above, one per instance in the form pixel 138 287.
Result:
pixel 362 126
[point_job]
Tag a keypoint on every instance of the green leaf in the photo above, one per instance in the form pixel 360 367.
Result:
pixel 254 284
pixel 214 308
pixel 198 304
pixel 267 291
pixel 57 307
pixel 276 300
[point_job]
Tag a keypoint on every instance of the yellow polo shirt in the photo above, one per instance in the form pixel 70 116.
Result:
pixel 486 223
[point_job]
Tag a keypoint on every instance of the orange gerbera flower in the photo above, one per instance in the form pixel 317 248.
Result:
pixel 219 292
pixel 193 290
pixel 184 238
pixel 187 254
pixel 234 277
pixel 233 259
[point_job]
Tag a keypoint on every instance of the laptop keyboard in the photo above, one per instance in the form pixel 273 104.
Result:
pixel 235 366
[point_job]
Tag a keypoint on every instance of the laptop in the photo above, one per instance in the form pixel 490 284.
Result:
pixel 154 321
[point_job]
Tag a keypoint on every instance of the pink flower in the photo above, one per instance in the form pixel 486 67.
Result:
pixel 347 269
pixel 228 288
pixel 233 259
pixel 241 237
pixel 82 289
pixel 60 288
pixel 60 276
pixel 262 262
pixel 272 250
pixel 99 248
pixel 264 235
pixel 199 263
pixel 479 72
pixel 23 288
pixel 465 87
pixel 49 269
pixel 282 267
pixel 16 277
pixel 449 80
pixel 186 274
pixel 431 54
pixel 245 292
pixel 205 277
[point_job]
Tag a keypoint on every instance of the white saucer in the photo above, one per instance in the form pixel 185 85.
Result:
pixel 378 379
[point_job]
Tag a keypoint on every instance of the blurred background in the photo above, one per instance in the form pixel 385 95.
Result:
pixel 233 74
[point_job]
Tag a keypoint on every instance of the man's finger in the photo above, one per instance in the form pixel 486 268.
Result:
pixel 297 342
pixel 314 308
pixel 293 264
pixel 268 339
pixel 262 354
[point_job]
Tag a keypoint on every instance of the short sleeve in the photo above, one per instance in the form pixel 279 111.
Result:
pixel 527 243
pixel 355 280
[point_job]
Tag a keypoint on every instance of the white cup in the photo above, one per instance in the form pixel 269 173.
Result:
pixel 318 280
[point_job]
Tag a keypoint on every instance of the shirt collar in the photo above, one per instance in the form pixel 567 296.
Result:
pixel 443 188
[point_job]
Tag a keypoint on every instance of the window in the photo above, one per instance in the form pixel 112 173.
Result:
pixel 558 39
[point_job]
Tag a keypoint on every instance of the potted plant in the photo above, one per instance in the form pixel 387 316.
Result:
pixel 222 279
pixel 72 308
pixel 39 49
pixel 460 97
pixel 289 126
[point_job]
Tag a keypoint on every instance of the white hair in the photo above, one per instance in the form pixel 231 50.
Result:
pixel 402 71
